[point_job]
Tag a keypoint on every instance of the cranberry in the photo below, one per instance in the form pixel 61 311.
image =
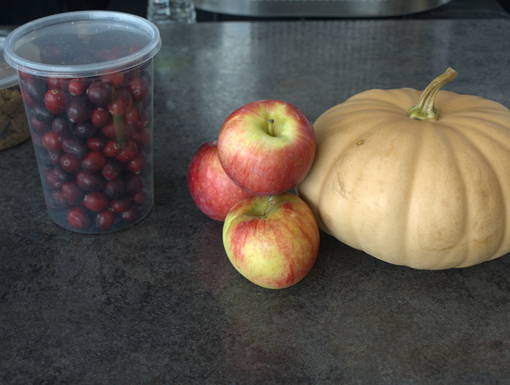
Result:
pixel 69 163
pixel 93 162
pixel 90 182
pixel 128 151
pixel 42 113
pixel 111 148
pixel 54 157
pixel 134 183
pixel 144 120
pixel 96 143
pixel 57 82
pixel 79 217
pixel 122 204
pixel 142 138
pixel 38 126
pixel 55 101
pixel 58 200
pixel 138 87
pixel 115 188
pixel 131 214
pixel 95 201
pixel 121 102
pixel 52 53
pixel 137 164
pixel 104 219
pixel 139 198
pixel 51 142
pixel 75 147
pixel 100 93
pixel 77 86
pixel 60 126
pixel 79 109
pixel 30 103
pixel 133 115
pixel 112 168
pixel 109 131
pixel 23 75
pixel 100 117
pixel 55 177
pixel 85 130
pixel 35 88
pixel 115 79
pixel 72 192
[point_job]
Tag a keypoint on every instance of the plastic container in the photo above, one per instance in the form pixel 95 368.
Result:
pixel 87 84
pixel 13 119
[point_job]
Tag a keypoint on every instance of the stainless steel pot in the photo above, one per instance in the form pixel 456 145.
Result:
pixel 318 8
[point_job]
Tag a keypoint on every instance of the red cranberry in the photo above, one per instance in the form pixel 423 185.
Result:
pixel 93 162
pixel 58 200
pixel 72 192
pixel 85 130
pixel 95 201
pixel 138 87
pixel 79 109
pixel 111 148
pixel 51 142
pixel 142 138
pixel 75 147
pixel 139 198
pixel 112 168
pixel 115 79
pixel 144 120
pixel 42 113
pixel 128 151
pixel 35 88
pixel 30 103
pixel 96 143
pixel 38 126
pixel 23 75
pixel 121 103
pixel 133 115
pixel 104 219
pixel 109 131
pixel 54 157
pixel 55 101
pixel 115 188
pixel 69 163
pixel 56 82
pixel 55 177
pixel 131 214
pixel 90 182
pixel 100 93
pixel 137 164
pixel 78 86
pixel 122 204
pixel 100 117
pixel 134 183
pixel 79 217
pixel 60 126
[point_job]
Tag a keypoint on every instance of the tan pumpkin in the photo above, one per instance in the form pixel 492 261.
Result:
pixel 429 194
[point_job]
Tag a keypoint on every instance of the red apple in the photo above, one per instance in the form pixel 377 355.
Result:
pixel 273 241
pixel 210 187
pixel 267 147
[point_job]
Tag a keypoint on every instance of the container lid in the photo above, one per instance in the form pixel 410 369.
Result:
pixel 82 44
pixel 8 76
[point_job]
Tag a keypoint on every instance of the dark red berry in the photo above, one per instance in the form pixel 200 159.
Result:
pixel 75 147
pixel 139 198
pixel 77 86
pixel 54 157
pixel 29 102
pixel 131 214
pixel 122 204
pixel 79 109
pixel 51 142
pixel 90 182
pixel 42 113
pixel 69 163
pixel 56 82
pixel 137 164
pixel 79 217
pixel 115 79
pixel 104 219
pixel 95 201
pixel 111 148
pixel 72 192
pixel 122 102
pixel 100 93
pixel 85 130
pixel 133 115
pixel 35 88
pixel 115 188
pixel 142 138
pixel 38 126
pixel 93 162
pixel 58 200
pixel 128 151
pixel 134 183
pixel 100 117
pixel 55 101
pixel 112 168
pixel 60 126
pixel 55 177
pixel 138 87
pixel 96 143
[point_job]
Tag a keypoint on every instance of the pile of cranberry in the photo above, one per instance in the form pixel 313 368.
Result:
pixel 93 139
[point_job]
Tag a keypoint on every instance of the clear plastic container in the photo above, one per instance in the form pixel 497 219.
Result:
pixel 87 84
pixel 13 119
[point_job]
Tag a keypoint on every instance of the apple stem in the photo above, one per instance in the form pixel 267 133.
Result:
pixel 270 127
pixel 269 203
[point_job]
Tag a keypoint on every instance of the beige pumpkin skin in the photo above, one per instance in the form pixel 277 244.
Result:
pixel 424 194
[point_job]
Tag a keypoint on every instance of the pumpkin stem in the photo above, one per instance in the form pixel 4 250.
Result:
pixel 425 110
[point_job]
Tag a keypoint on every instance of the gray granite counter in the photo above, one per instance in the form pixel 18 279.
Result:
pixel 159 302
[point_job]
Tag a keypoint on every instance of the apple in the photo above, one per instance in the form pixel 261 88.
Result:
pixel 210 187
pixel 273 241
pixel 267 147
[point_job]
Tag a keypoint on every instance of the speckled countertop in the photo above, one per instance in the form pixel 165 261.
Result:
pixel 159 302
